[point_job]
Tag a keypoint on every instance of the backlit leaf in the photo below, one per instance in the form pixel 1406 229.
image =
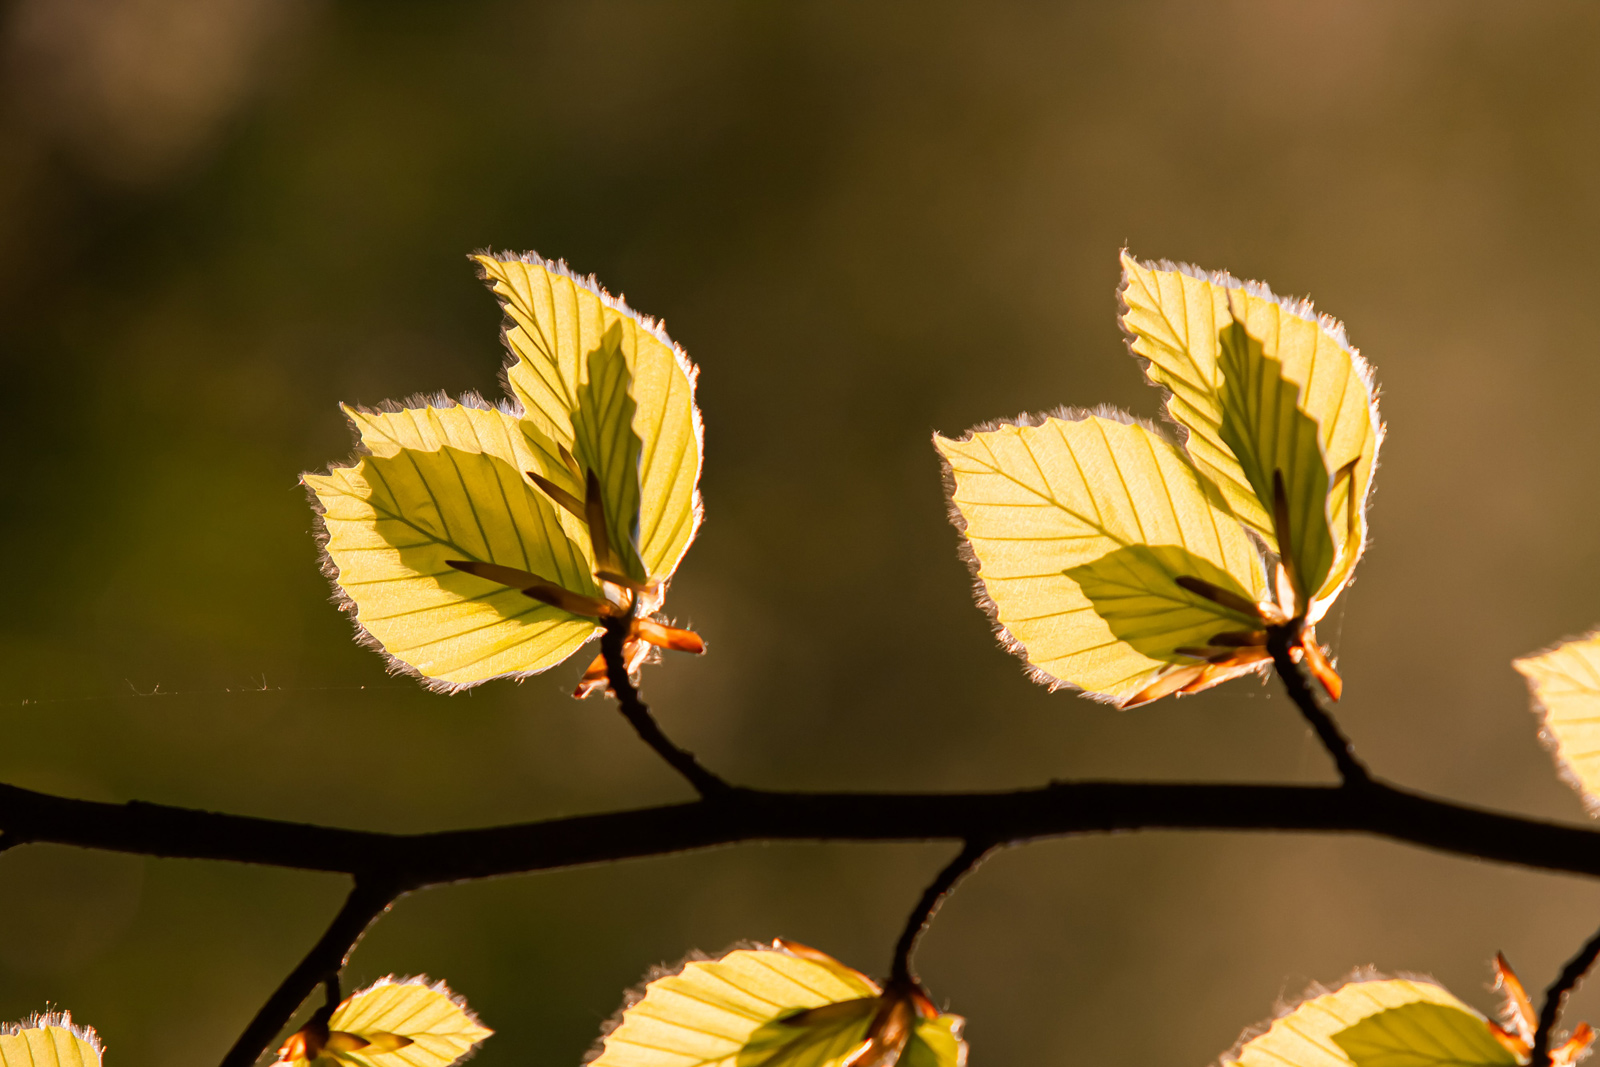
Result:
pixel 49 1041
pixel 606 445
pixel 1565 684
pixel 445 482
pixel 1264 386
pixel 781 1005
pixel 392 1023
pixel 1082 529
pixel 556 321
pixel 1378 1022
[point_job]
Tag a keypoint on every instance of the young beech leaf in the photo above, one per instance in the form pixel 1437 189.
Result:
pixel 556 320
pixel 49 1040
pixel 1103 558
pixel 1565 685
pixel 473 542
pixel 403 1022
pixel 1372 1021
pixel 443 484
pixel 1278 410
pixel 778 1005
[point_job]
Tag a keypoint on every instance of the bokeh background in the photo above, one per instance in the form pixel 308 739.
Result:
pixel 865 221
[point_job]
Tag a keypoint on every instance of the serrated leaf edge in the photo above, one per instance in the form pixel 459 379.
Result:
pixel 393 664
pixel 1547 737
pixel 655 327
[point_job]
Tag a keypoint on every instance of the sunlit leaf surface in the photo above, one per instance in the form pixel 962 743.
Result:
pixel 1081 528
pixel 474 542
pixel 49 1041
pixel 396 1023
pixel 555 321
pixel 1565 684
pixel 1394 1022
pixel 1263 386
pixel 781 1005
pixel 446 483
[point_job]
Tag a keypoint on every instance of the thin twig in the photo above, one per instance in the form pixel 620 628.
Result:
pixel 971 854
pixel 637 712
pixel 1556 996
pixel 322 964
pixel 1352 772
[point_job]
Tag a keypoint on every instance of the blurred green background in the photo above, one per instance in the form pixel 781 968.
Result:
pixel 865 221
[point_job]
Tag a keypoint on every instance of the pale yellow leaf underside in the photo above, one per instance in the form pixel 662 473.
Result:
pixel 1304 1036
pixel 1565 684
pixel 704 1015
pixel 1174 315
pixel 1080 526
pixel 49 1041
pixel 440 1027
pixel 556 321
pixel 446 483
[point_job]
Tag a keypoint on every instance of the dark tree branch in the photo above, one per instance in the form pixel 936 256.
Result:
pixel 1556 996
pixel 321 965
pixel 413 861
pixel 1352 772
pixel 637 712
pixel 971 854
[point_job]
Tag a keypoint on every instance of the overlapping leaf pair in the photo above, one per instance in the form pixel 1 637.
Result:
pixel 1373 1021
pixel 407 1022
pixel 778 1005
pixel 475 541
pixel 1117 563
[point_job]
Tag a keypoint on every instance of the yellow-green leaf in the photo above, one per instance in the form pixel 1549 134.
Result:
pixel 1377 1022
pixel 1423 1035
pixel 936 1043
pixel 607 449
pixel 779 1005
pixel 49 1041
pixel 395 1022
pixel 439 1026
pixel 1263 385
pixel 1080 528
pixel 556 321
pixel 1565 684
pixel 445 482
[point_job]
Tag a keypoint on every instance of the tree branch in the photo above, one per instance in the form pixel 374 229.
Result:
pixel 1352 772
pixel 413 861
pixel 321 965
pixel 637 712
pixel 1556 996
pixel 971 854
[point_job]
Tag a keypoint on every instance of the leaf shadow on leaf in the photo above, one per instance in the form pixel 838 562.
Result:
pixel 608 446
pixel 1135 590
pixel 411 506
pixel 809 1038
pixel 1423 1034
pixel 1267 430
